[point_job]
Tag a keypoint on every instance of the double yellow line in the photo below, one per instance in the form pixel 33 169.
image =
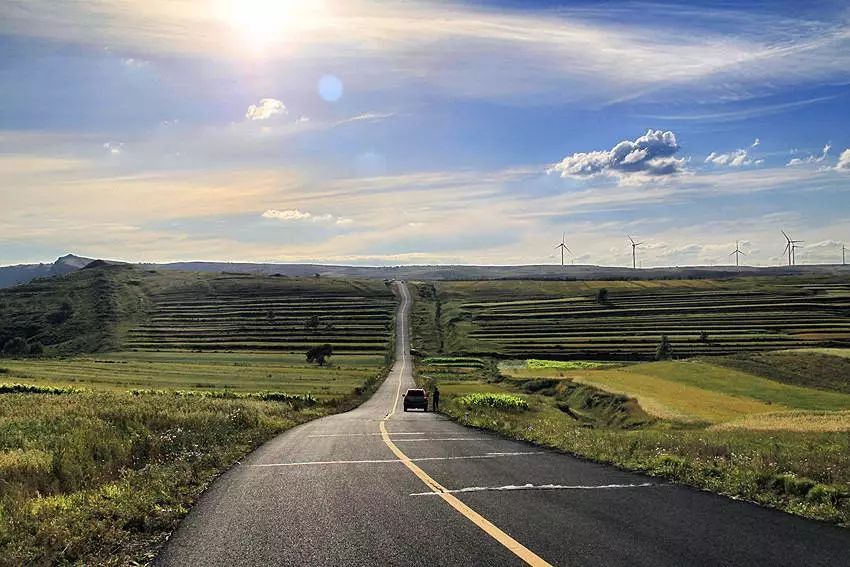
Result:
pixel 491 529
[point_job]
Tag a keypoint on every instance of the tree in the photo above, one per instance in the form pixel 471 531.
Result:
pixel 320 353
pixel 602 296
pixel 703 336
pixel 312 324
pixel 664 350
pixel 36 348
pixel 16 346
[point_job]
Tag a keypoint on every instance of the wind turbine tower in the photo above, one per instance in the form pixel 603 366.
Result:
pixel 737 253
pixel 563 246
pixel 791 247
pixel 843 248
pixel 634 254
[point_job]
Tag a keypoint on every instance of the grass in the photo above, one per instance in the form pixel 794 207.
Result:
pixel 102 477
pixel 249 372
pixel 508 402
pixel 792 421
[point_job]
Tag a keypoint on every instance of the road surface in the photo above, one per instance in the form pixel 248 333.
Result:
pixel 376 486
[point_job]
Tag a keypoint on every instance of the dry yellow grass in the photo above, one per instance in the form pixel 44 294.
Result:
pixel 812 421
pixel 668 399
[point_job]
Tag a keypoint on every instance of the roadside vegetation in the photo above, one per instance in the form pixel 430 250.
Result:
pixel 769 426
pixel 110 434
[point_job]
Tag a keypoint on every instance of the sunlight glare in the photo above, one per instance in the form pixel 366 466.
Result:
pixel 263 22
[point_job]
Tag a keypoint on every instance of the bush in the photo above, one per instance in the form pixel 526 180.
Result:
pixel 16 346
pixel 320 353
pixel 496 401
pixel 664 350
pixel 602 296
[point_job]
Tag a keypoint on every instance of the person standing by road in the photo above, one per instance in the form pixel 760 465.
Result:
pixel 436 398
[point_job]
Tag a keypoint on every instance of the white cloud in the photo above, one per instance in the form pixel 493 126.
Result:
pixel 737 158
pixel 843 161
pixel 811 158
pixel 650 154
pixel 757 142
pixel 295 215
pixel 265 109
pixel 114 148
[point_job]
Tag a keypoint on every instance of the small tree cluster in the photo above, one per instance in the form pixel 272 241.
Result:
pixel 664 350
pixel 602 296
pixel 319 354
pixel 18 346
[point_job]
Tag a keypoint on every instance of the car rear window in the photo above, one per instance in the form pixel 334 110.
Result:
pixel 416 393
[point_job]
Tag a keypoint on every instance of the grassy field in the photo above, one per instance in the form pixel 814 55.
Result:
pixel 101 478
pixel 238 372
pixel 150 385
pixel 702 422
pixel 566 320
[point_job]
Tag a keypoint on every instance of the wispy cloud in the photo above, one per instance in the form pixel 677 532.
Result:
pixel 539 51
pixel 297 215
pixel 811 158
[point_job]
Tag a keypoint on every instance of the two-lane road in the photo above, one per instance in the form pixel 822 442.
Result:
pixel 376 486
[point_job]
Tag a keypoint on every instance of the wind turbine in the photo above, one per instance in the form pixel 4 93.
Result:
pixel 563 246
pixel 843 248
pixel 634 254
pixel 737 253
pixel 790 247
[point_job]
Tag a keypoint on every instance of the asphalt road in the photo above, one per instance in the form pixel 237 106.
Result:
pixel 338 491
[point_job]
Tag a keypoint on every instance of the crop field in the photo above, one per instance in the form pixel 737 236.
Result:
pixel 237 372
pixel 280 315
pixel 566 320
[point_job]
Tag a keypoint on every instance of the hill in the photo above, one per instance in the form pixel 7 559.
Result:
pixel 14 275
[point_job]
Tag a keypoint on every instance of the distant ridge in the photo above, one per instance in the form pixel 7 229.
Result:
pixel 14 275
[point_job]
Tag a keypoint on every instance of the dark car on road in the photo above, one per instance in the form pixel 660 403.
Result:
pixel 416 398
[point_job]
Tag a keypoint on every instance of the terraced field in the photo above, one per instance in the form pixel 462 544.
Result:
pixel 267 315
pixel 562 320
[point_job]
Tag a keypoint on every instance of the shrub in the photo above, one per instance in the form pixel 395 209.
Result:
pixel 564 364
pixel 496 401
pixel 16 346
pixel 602 296
pixel 320 353
pixel 664 350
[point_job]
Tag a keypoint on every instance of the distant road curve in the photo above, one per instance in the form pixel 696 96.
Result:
pixel 375 486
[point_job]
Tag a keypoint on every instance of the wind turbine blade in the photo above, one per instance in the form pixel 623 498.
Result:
pixel 639 243
pixel 733 253
pixel 744 253
pixel 630 238
pixel 785 235
pixel 568 250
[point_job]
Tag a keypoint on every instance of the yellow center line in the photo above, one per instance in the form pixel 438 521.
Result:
pixel 491 529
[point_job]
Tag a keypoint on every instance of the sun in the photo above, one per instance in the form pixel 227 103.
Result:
pixel 261 23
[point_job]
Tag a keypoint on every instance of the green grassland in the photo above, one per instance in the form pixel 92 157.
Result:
pixel 151 384
pixel 238 372
pixel 563 320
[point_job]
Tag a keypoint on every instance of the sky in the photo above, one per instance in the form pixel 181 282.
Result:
pixel 385 133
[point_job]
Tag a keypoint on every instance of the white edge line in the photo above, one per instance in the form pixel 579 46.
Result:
pixel 538 487
pixel 372 461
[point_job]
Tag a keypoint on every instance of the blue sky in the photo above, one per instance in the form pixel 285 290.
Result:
pixel 413 132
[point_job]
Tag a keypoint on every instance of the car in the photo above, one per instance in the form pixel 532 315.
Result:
pixel 416 398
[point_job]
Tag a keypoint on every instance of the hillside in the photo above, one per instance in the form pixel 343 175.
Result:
pixel 82 312
pixel 113 307
pixel 567 320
